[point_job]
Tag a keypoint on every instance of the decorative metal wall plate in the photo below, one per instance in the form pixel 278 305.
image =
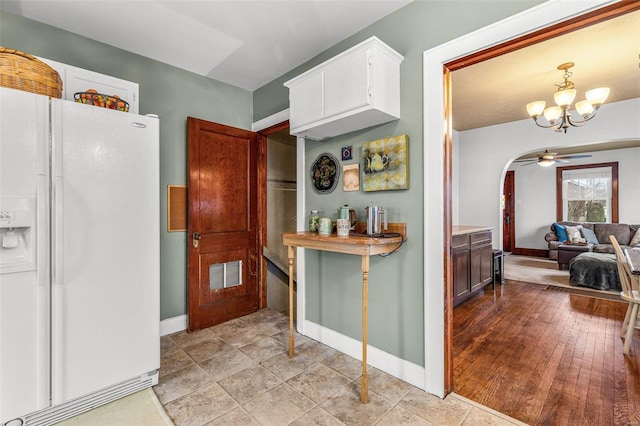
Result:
pixel 325 173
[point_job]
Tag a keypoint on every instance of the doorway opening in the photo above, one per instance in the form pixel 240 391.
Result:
pixel 280 215
pixel 518 43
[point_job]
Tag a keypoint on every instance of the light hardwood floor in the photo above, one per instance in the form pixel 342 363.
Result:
pixel 546 357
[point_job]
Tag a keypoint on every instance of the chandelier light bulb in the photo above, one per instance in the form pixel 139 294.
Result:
pixel 584 108
pixel 552 113
pixel 564 98
pixel 536 108
pixel 559 118
pixel 596 97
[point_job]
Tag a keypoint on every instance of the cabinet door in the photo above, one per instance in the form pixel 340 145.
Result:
pixel 476 261
pixel 347 83
pixel 305 101
pixel 486 264
pixel 460 259
pixel 76 79
pixel 480 259
pixel 460 275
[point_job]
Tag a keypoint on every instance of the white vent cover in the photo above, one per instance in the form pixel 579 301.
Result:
pixel 225 275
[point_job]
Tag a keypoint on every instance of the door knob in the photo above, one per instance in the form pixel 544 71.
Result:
pixel 196 238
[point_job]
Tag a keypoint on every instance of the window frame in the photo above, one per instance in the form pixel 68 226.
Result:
pixel 614 187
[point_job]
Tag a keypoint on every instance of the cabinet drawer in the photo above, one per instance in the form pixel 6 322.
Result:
pixel 480 238
pixel 459 242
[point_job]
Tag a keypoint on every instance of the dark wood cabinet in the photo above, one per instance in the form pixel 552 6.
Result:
pixel 461 267
pixel 472 264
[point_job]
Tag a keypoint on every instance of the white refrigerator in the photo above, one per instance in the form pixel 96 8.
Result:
pixel 79 257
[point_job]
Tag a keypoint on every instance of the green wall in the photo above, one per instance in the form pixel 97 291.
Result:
pixel 333 293
pixel 165 90
pixel 396 295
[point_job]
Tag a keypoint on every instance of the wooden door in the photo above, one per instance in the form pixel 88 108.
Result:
pixel 222 225
pixel 508 213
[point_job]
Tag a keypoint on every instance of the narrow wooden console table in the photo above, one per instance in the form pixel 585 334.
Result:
pixel 364 246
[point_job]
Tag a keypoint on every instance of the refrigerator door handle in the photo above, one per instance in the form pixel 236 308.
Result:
pixel 57 291
pixel 57 233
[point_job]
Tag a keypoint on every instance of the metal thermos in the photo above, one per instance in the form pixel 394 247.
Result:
pixel 375 217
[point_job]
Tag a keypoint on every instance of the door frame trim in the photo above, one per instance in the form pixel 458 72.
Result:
pixel 437 160
pixel 260 126
pixel 263 136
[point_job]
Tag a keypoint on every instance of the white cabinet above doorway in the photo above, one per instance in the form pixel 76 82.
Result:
pixel 356 89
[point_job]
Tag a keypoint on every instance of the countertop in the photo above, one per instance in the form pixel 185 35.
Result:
pixel 468 229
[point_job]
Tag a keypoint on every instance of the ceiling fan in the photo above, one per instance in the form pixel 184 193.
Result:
pixel 548 159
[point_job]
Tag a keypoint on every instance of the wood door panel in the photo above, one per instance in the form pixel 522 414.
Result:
pixel 220 241
pixel 224 182
pixel 222 221
pixel 508 214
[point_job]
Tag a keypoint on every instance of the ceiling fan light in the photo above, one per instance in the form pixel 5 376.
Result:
pixel 584 108
pixel 564 98
pixel 596 97
pixel 552 113
pixel 536 108
pixel 545 162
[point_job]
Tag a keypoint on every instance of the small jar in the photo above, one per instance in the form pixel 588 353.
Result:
pixel 313 220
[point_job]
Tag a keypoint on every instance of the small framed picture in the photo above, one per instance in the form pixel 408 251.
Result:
pixel 347 153
pixel 385 164
pixel 351 177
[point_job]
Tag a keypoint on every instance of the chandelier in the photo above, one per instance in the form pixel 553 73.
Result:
pixel 559 116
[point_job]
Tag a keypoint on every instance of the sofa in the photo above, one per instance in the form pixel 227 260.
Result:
pixel 625 234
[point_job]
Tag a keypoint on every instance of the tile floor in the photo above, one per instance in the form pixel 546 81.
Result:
pixel 239 373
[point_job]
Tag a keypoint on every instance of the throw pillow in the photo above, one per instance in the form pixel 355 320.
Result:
pixel 589 235
pixel 573 232
pixel 561 233
pixel 636 238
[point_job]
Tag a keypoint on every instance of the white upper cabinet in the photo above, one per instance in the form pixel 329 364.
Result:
pixel 357 89
pixel 76 79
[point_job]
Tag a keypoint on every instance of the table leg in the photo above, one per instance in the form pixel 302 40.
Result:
pixel 364 383
pixel 291 253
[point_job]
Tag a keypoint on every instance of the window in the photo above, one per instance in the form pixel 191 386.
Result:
pixel 587 193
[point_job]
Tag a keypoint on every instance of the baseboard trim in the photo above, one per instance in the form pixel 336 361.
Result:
pixel 173 325
pixel 530 252
pixel 391 364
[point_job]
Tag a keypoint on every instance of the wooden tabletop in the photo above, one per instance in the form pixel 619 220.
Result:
pixel 633 257
pixel 360 245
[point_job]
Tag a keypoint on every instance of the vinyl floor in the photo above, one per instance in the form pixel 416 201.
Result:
pixel 239 373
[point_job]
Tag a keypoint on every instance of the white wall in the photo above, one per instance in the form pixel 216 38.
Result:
pixel 484 155
pixel 535 194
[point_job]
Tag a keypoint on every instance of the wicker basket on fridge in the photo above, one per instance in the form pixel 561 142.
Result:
pixel 19 70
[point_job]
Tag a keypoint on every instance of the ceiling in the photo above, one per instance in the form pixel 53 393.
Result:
pixel 497 91
pixel 250 43
pixel 243 43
